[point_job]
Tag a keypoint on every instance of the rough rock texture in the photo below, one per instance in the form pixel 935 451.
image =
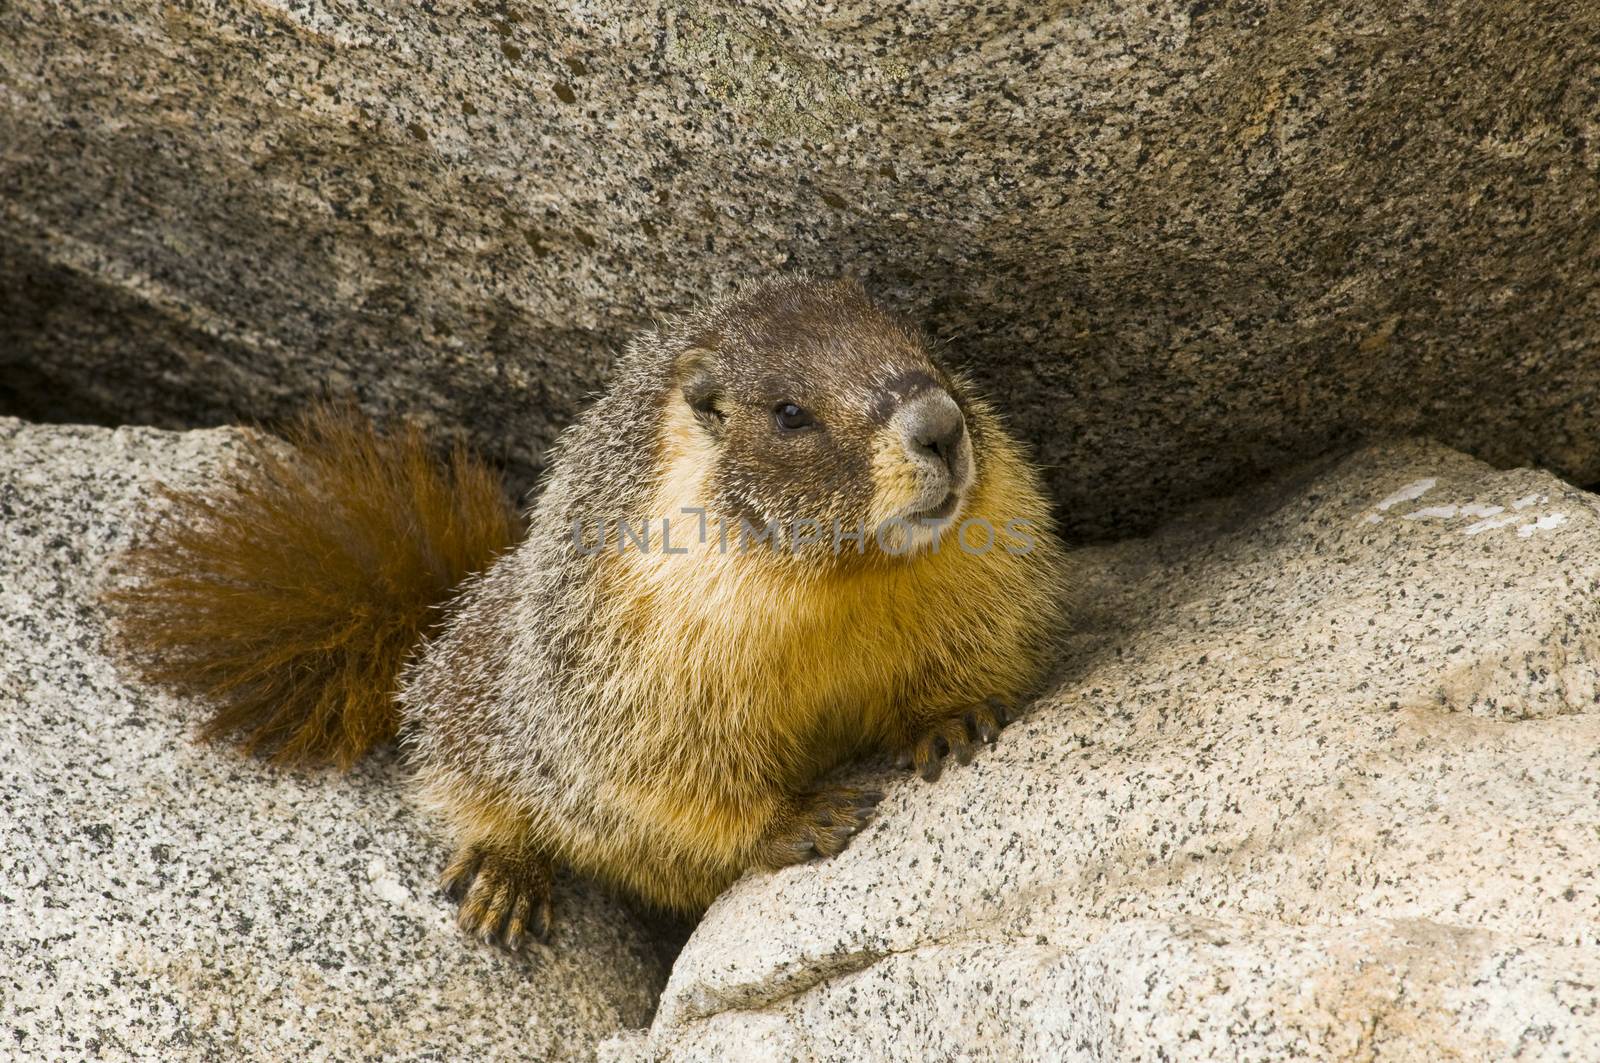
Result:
pixel 1322 778
pixel 1180 241
pixel 160 899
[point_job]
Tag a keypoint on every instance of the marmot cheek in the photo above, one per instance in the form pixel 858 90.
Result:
pixel 897 482
pixel 964 467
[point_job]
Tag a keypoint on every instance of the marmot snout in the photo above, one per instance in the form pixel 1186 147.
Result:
pixel 933 431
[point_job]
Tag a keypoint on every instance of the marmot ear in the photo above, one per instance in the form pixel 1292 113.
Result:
pixel 700 389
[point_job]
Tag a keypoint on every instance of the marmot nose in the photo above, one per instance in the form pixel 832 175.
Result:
pixel 934 425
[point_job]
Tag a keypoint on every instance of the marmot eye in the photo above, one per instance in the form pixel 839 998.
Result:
pixel 791 417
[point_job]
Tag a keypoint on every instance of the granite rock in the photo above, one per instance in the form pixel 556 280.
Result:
pixel 1319 778
pixel 1180 242
pixel 163 899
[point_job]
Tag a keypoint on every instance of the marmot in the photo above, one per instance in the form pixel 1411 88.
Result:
pixel 783 535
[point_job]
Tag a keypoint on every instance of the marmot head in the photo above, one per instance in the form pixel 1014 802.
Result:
pixel 823 415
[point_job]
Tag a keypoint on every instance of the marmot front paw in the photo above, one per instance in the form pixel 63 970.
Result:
pixel 504 897
pixel 821 823
pixel 958 734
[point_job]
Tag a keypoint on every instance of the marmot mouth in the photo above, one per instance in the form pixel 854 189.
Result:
pixel 942 510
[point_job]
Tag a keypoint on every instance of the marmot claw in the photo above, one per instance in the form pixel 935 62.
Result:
pixel 958 734
pixel 505 899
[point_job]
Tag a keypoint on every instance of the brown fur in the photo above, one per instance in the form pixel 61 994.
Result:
pixel 658 720
pixel 662 721
pixel 291 597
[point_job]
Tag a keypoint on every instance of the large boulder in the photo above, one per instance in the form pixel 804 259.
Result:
pixel 1179 241
pixel 164 900
pixel 1320 778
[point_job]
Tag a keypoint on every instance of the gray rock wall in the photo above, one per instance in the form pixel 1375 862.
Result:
pixel 1180 242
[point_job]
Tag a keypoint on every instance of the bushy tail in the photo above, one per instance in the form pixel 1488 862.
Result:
pixel 291 594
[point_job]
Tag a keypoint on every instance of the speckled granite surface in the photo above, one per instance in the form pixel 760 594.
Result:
pixel 164 900
pixel 1320 780
pixel 1180 241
